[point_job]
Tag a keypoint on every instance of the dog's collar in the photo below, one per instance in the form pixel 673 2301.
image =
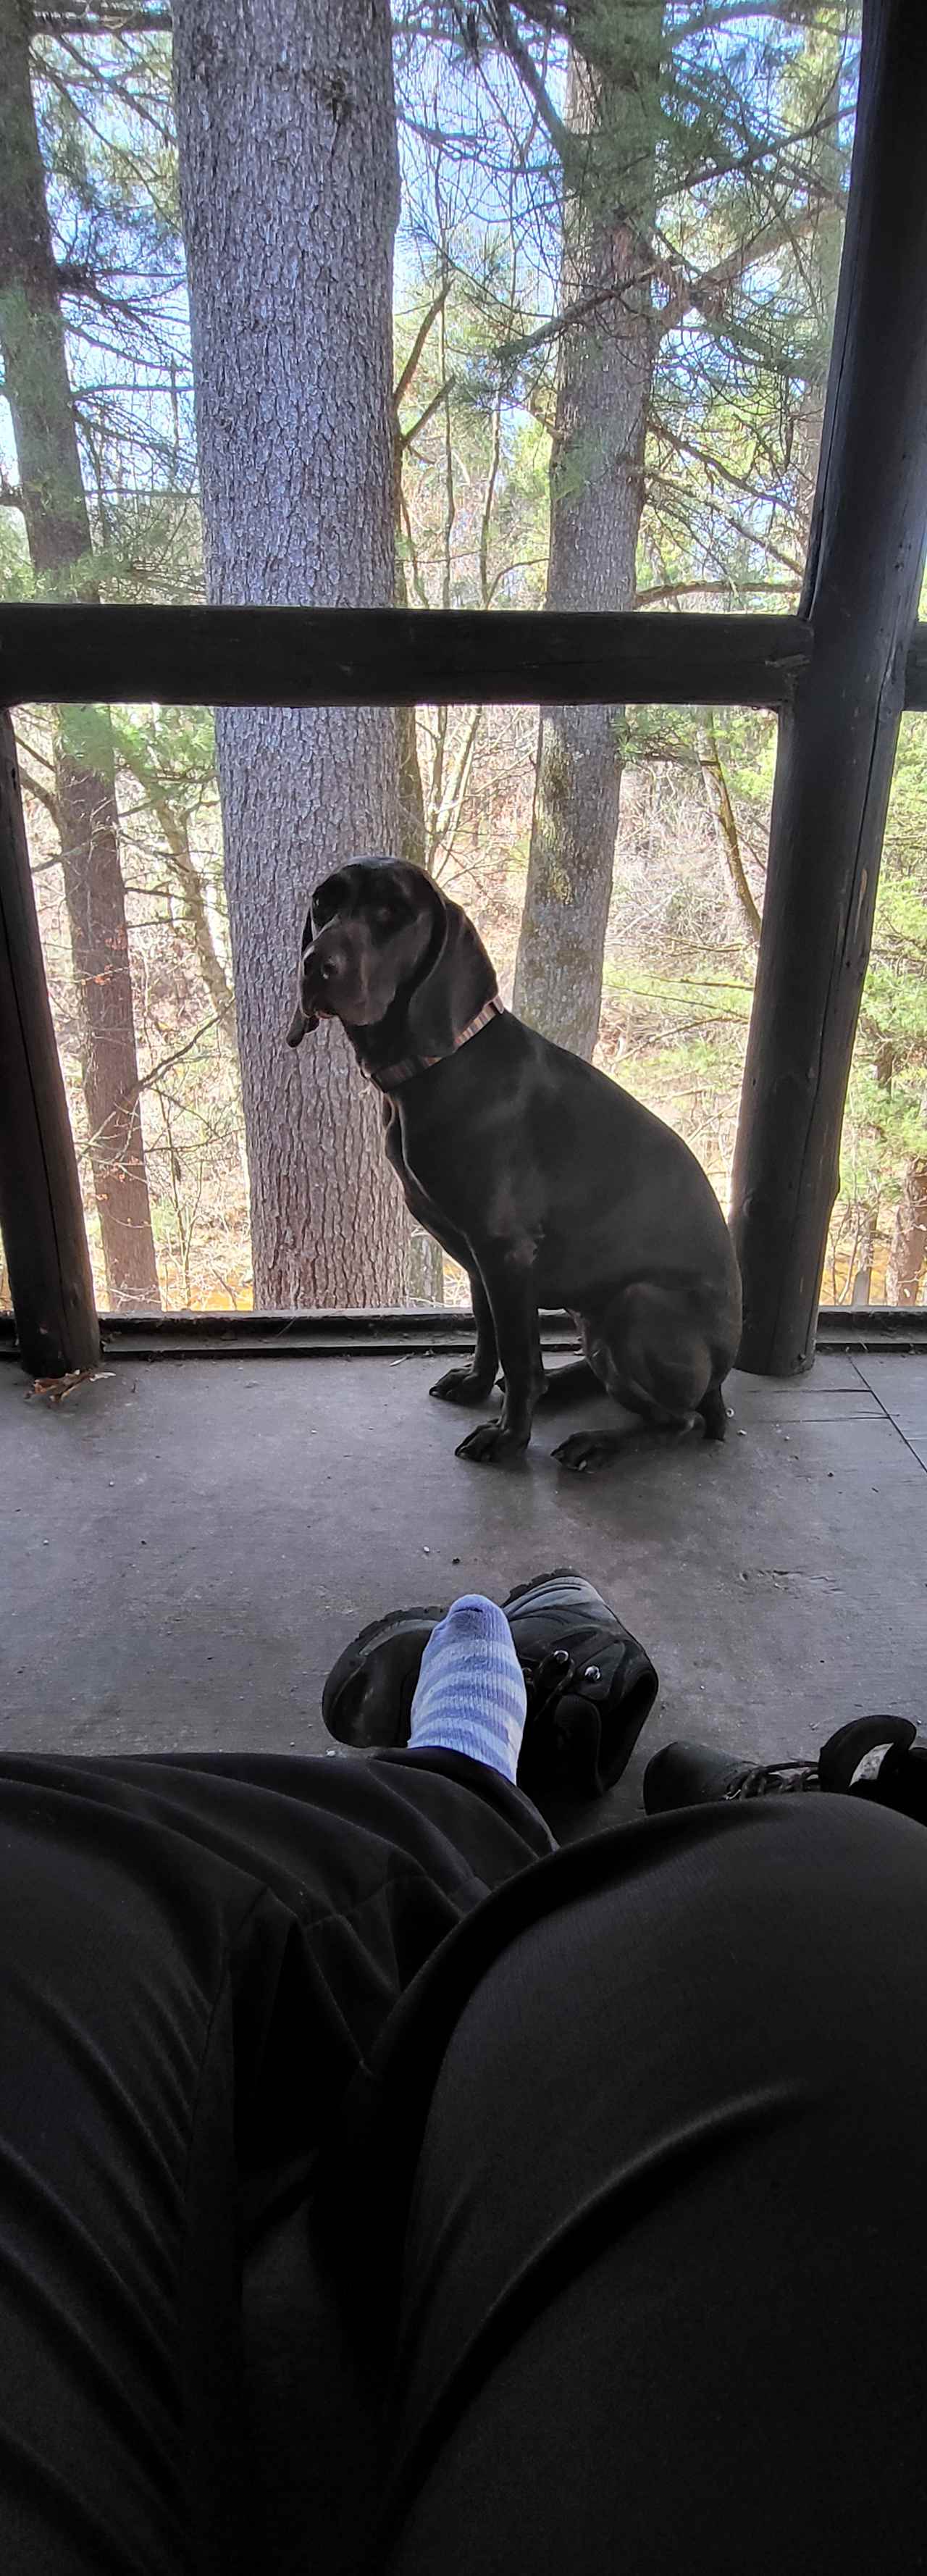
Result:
pixel 388 1077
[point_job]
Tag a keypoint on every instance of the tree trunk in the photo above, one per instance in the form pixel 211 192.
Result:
pixel 909 1240
pixel 41 1215
pixel 58 532
pixel 596 497
pixel 289 195
pixel 859 1286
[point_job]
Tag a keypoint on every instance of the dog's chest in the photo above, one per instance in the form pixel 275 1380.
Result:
pixel 401 1156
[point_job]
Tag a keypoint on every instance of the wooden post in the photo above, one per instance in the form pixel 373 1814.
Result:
pixel 41 1216
pixel 837 741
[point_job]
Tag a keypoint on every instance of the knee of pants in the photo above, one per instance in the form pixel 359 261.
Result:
pixel 667 2212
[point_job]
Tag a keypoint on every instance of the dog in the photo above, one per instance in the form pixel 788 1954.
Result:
pixel 550 1185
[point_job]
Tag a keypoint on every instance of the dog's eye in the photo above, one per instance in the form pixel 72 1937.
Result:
pixel 325 974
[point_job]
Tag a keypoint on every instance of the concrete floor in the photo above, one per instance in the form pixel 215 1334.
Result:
pixel 187 1545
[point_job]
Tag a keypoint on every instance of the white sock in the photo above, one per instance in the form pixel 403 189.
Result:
pixel 470 1694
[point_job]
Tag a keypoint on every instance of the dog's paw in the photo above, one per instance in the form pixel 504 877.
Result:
pixel 461 1386
pixel 583 1450
pixel 491 1440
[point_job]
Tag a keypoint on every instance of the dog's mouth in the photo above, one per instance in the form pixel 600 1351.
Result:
pixel 301 1026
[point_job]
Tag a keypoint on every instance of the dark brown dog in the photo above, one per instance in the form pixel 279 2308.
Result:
pixel 547 1182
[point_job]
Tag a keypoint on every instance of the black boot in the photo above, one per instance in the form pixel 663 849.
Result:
pixel 688 1775
pixel 589 1684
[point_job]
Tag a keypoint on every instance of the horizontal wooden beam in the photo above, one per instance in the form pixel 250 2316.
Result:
pixel 417 1331
pixel 68 654
pixel 396 657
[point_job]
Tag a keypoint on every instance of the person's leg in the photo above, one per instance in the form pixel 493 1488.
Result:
pixel 195 1957
pixel 662 2296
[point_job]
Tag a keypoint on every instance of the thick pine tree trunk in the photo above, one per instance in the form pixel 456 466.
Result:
pixel 38 391
pixel 289 194
pixel 596 497
pixel 95 905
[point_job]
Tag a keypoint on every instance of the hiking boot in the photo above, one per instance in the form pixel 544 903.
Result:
pixel 589 1684
pixel 689 1775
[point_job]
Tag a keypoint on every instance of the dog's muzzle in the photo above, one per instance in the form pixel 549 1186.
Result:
pixel 301 1026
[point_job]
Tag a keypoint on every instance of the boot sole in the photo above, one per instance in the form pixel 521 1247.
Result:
pixel 539 1582
pixel 347 1724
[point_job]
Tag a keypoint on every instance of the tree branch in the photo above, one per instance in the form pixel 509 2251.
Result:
pixel 176 835
pixel 406 436
pixel 44 797
pixel 708 589
pixel 572 313
pixel 408 371
pixel 704 21
pixel 146 1080
pixel 724 824
pixel 703 292
pixel 503 25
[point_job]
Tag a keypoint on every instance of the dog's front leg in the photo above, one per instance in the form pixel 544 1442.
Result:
pixel 508 1280
pixel 470 1385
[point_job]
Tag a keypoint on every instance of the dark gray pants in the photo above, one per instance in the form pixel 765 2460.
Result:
pixel 620 2168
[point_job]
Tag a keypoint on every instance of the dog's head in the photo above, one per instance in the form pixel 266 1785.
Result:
pixel 380 941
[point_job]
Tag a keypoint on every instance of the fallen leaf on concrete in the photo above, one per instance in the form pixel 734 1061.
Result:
pixel 56 1388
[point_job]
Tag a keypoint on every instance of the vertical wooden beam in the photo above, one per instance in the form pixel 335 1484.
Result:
pixel 837 744
pixel 41 1216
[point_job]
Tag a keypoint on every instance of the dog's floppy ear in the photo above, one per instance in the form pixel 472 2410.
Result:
pixel 456 980
pixel 300 1027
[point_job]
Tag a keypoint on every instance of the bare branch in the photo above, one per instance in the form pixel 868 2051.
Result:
pixel 703 292
pixel 723 12
pixel 43 796
pixel 708 589
pixel 724 825
pixel 408 371
pixel 147 1080
pixel 571 314
pixel 503 24
pixel 406 436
